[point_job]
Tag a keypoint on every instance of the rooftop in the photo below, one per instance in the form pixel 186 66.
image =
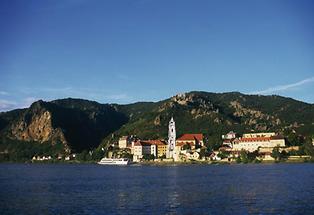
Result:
pixel 187 137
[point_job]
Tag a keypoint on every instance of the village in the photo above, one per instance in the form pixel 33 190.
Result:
pixel 190 147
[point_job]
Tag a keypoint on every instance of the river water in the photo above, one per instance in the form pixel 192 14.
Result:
pixel 181 189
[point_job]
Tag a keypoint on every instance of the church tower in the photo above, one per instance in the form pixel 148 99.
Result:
pixel 171 139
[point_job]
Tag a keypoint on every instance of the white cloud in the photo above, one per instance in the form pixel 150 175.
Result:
pixel 282 88
pixel 6 105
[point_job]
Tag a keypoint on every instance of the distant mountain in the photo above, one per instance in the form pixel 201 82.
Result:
pixel 80 124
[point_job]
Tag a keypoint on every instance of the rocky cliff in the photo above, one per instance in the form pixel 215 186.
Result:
pixel 77 124
pixel 35 124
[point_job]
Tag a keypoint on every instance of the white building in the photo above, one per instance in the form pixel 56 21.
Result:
pixel 229 136
pixel 191 155
pixel 214 156
pixel 42 158
pixel 123 142
pixel 252 142
pixel 137 151
pixel 141 148
pixel 171 153
pixel 256 135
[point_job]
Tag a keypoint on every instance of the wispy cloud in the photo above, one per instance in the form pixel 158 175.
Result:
pixel 282 88
pixel 4 93
pixel 27 102
pixel 6 105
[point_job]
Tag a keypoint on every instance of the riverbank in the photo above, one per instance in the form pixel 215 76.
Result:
pixel 165 163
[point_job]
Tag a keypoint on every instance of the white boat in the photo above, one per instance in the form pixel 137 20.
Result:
pixel 114 161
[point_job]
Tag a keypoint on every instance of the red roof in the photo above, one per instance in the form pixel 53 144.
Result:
pixel 187 137
pixel 154 142
pixel 183 143
pixel 252 139
pixel 149 142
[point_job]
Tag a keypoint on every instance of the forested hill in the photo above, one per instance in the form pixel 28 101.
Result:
pixel 81 124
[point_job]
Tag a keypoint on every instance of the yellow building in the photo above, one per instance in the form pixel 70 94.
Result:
pixel 123 142
pixel 161 146
pixel 161 150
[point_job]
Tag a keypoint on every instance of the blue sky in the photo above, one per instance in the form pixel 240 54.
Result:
pixel 122 51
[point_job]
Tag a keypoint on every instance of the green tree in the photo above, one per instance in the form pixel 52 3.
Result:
pixel 244 156
pixel 98 154
pixel 294 140
pixel 223 154
pixel 276 153
pixel 238 159
pixel 83 156
pixel 252 156
pixel 186 147
pixel 308 147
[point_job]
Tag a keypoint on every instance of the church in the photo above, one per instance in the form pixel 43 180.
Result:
pixel 175 146
pixel 171 139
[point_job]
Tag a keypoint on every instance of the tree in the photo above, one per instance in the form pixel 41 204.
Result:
pixel 127 155
pixel 284 154
pixel 186 147
pixel 294 140
pixel 308 147
pixel 98 154
pixel 276 153
pixel 202 152
pixel 244 156
pixel 247 157
pixel 238 159
pixel 83 156
pixel 223 154
pixel 252 156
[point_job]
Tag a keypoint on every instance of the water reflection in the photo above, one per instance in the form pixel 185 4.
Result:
pixel 173 198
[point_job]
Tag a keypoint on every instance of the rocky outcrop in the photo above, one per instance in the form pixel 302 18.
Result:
pixel 36 125
pixel 253 116
pixel 77 124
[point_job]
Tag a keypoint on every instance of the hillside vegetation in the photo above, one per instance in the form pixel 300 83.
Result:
pixel 80 125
